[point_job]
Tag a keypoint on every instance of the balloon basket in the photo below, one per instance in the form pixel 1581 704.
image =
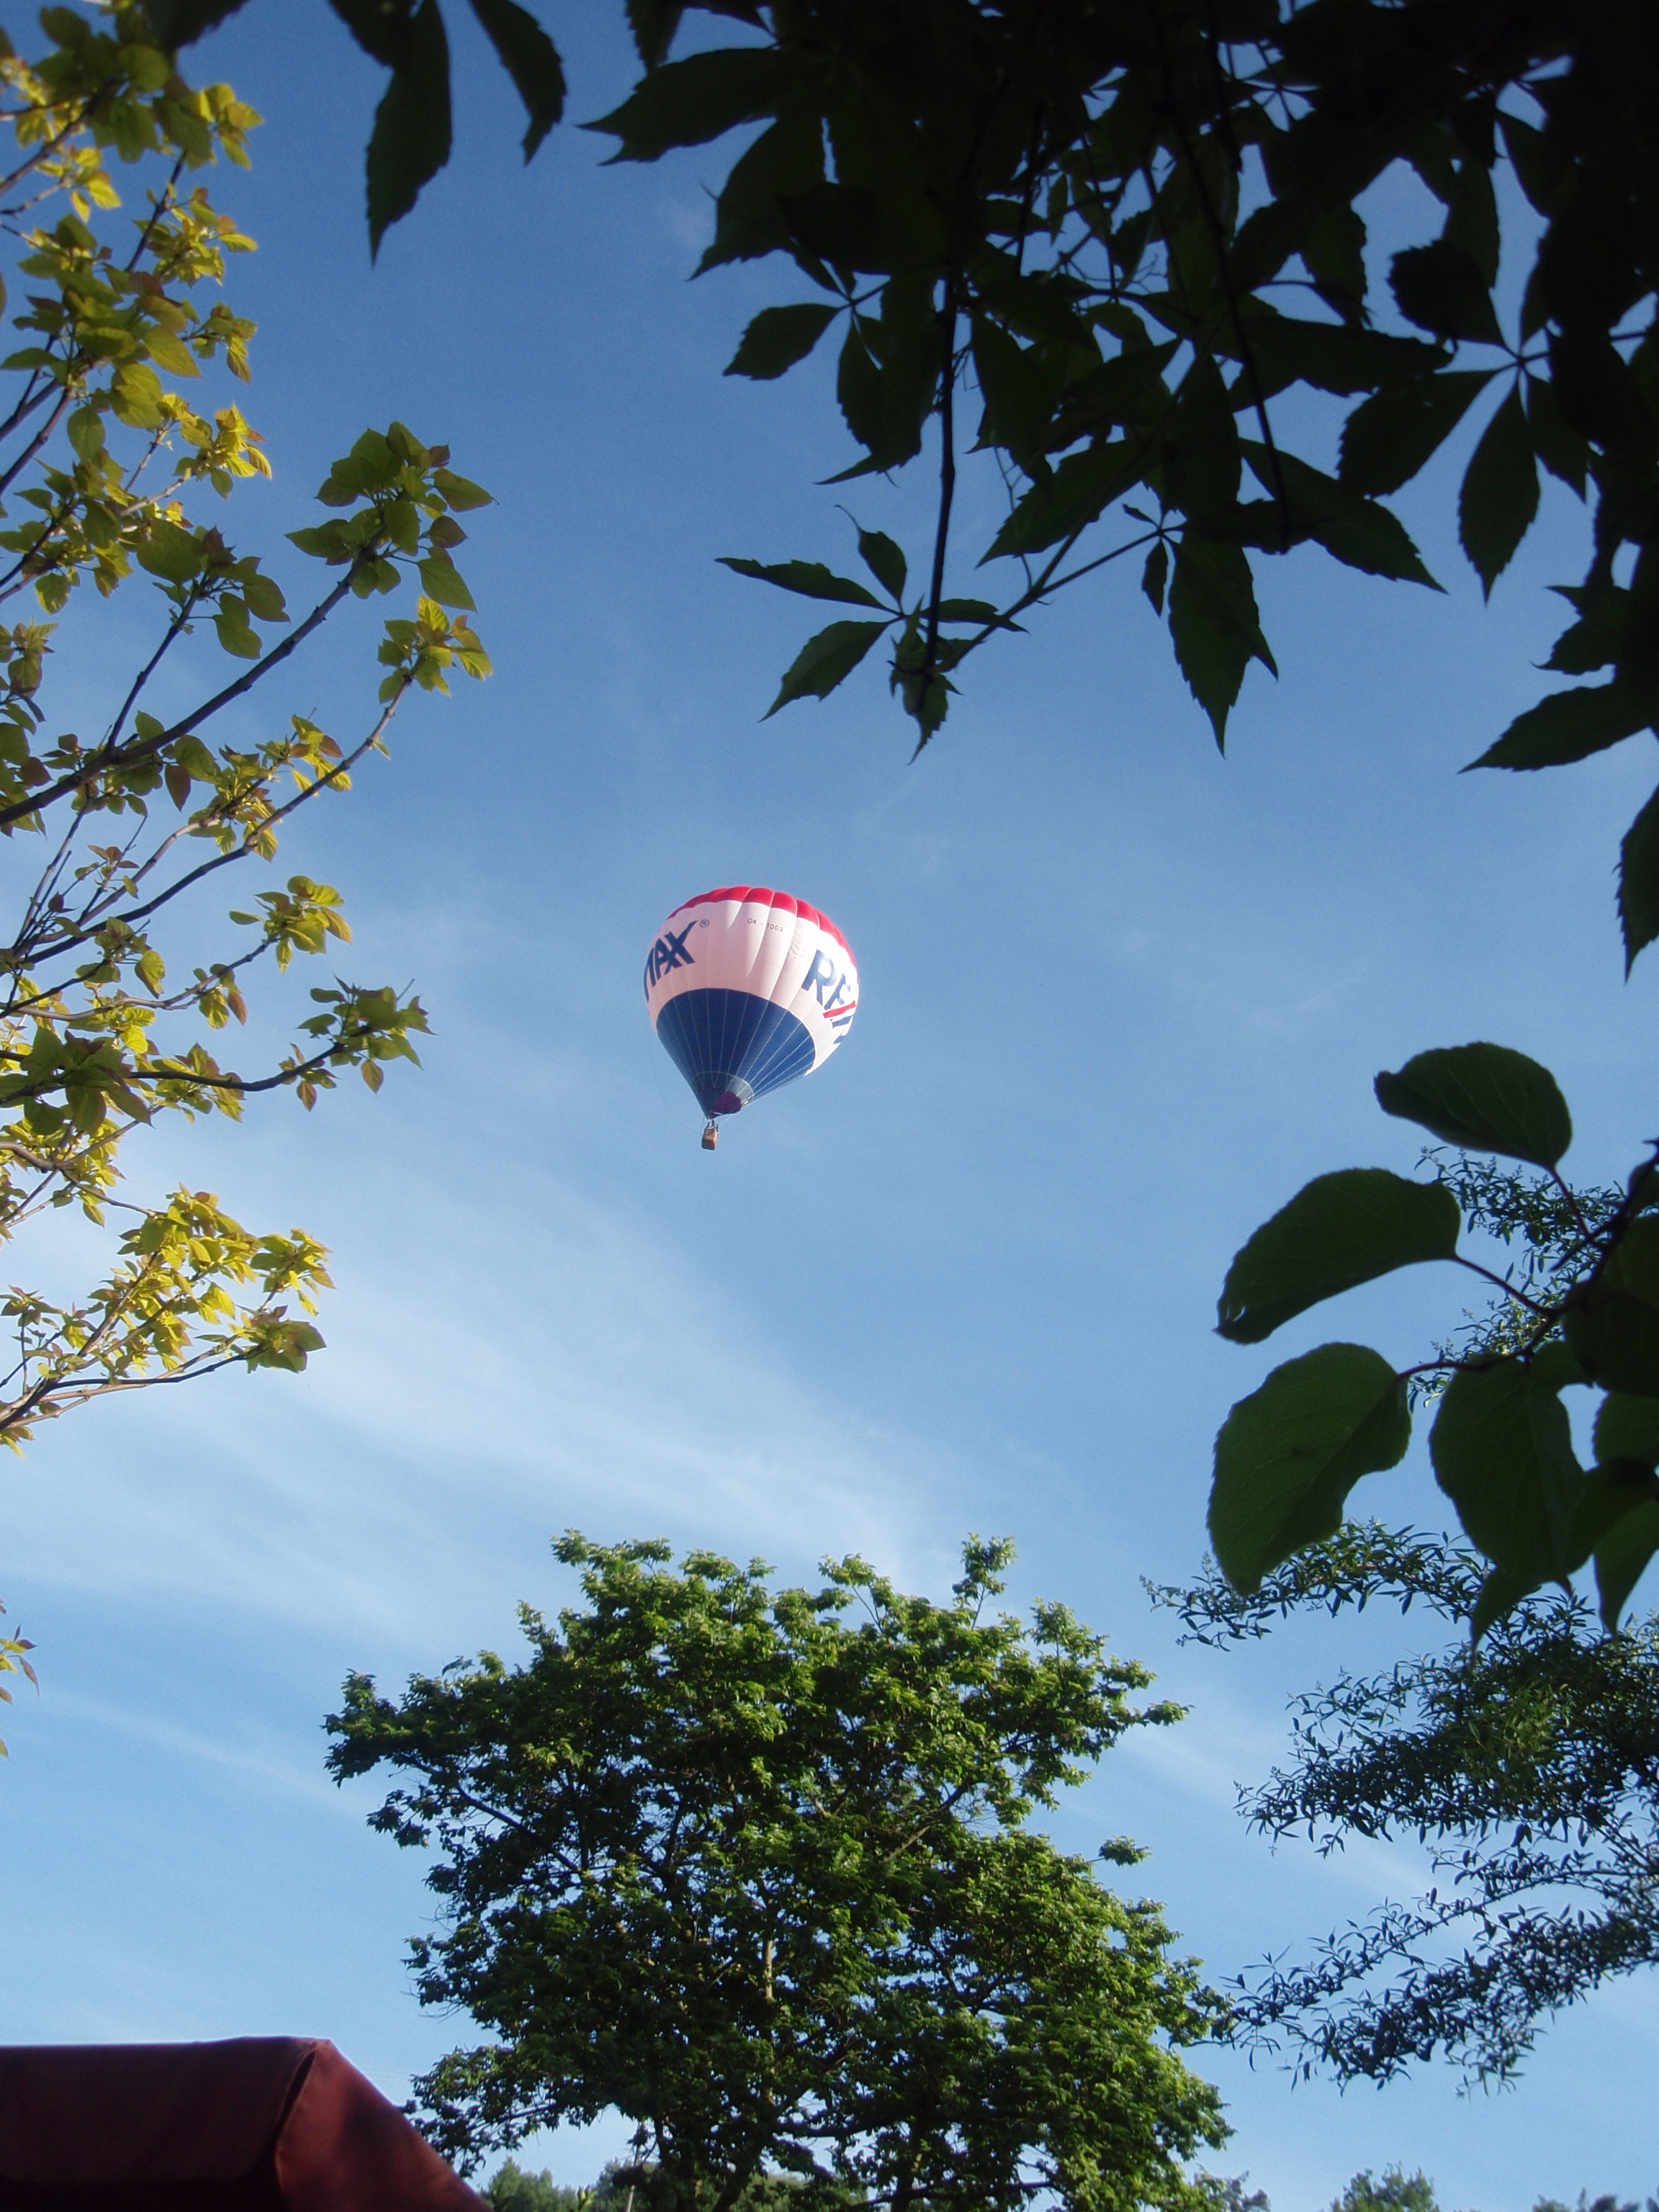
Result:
pixel 711 1136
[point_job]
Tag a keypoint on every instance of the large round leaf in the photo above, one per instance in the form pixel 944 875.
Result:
pixel 1340 1230
pixel 1288 1454
pixel 1485 1098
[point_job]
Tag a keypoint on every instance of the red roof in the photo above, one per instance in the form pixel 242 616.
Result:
pixel 262 2123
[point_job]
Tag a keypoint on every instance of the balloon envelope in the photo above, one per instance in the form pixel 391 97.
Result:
pixel 748 988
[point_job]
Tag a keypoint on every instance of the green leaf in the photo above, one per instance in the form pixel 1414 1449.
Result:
pixel 1500 1593
pixel 531 59
pixel 1338 1230
pixel 809 578
pixel 825 661
pixel 1441 290
pixel 1331 356
pixel 85 428
pixel 170 552
pixel 653 23
pixel 1389 436
pixel 1214 623
pixel 1542 173
pixel 231 624
pixel 136 395
pixel 1357 531
pixel 1563 450
pixel 1499 498
pixel 884 560
pixel 177 24
pixel 1614 1332
pixel 1638 882
pixel 460 492
pixel 1502 1449
pixel 778 338
pixel 971 610
pixel 1628 1428
pixel 171 352
pixel 1200 456
pixel 1484 1097
pixel 411 136
pixel 1566 725
pixel 442 580
pixel 1067 501
pixel 1623 1555
pixel 1019 395
pixel 1288 1456
pixel 687 103
pixel 1155 574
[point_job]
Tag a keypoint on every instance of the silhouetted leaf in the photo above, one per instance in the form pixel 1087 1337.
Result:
pixel 1288 1456
pixel 1331 356
pixel 884 560
pixel 1389 436
pixel 410 139
pixel 1623 1555
pixel 180 22
pixel 1638 882
pixel 1502 1449
pixel 1499 496
pixel 810 578
pixel 825 661
pixel 1440 289
pixel 689 102
pixel 1155 574
pixel 1214 623
pixel 778 338
pixel 531 59
pixel 1357 532
pixel 1079 489
pixel 1614 1331
pixel 1338 1230
pixel 1485 1098
pixel 1628 1428
pixel 1567 725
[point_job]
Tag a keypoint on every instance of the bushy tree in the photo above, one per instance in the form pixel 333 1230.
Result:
pixel 755 1867
pixel 511 2188
pixel 1397 2191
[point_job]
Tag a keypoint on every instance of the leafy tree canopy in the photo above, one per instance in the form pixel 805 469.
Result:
pixel 755 1867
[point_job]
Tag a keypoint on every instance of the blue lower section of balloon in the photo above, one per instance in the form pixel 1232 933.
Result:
pixel 732 1047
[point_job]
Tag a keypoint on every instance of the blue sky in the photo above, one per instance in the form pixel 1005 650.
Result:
pixel 1118 998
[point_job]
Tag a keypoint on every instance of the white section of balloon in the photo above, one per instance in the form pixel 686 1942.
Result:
pixel 747 989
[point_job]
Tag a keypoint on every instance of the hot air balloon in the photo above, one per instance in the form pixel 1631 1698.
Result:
pixel 748 988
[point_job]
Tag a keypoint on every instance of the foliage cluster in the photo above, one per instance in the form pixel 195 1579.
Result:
pixel 104 461
pixel 1529 1765
pixel 760 1877
pixel 1119 249
pixel 1579 1308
